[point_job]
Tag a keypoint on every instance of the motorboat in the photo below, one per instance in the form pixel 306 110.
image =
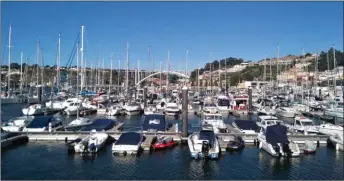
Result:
pixel 223 104
pixel 304 125
pixel 266 111
pixel 274 140
pixel 78 123
pixel 101 99
pixel 68 102
pixel 287 112
pixel 172 109
pixel 100 124
pixel 132 109
pixel 236 144
pixel 129 143
pixel 150 109
pixel 310 147
pixel 34 110
pixel 73 108
pixel 265 121
pixel 91 143
pixel 42 123
pixel 337 141
pixel 216 120
pixel 204 144
pixel 245 126
pixel 209 108
pixel 16 124
pixel 337 112
pixel 114 110
pixel 330 129
pixel 154 123
pixel 175 93
pixel 164 142
pixel 55 104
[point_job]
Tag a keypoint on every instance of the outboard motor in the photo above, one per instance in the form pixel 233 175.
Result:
pixel 286 149
pixel 93 147
pixel 162 104
pixel 205 148
pixel 277 150
pixel 85 148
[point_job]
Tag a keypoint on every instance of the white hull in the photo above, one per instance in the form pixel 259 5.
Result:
pixel 268 148
pixel 337 142
pixel 125 149
pixel 30 111
pixel 98 141
pixel 286 114
pixel 197 153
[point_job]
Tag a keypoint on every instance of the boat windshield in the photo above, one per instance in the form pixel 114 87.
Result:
pixel 223 102
pixel 307 123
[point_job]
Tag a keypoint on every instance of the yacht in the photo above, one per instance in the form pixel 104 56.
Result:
pixel 216 120
pixel 55 104
pixel 265 121
pixel 91 143
pixel 223 104
pixel 204 143
pixel 337 112
pixel 78 123
pixel 128 143
pixel 172 109
pixel 132 109
pixel 73 108
pixel 209 108
pixel 34 110
pixel 304 125
pixel 337 141
pixel 330 129
pixel 274 140
pixel 42 123
pixel 16 124
pixel 287 112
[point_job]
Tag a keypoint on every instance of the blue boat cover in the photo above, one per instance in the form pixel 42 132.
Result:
pixel 247 125
pixel 207 135
pixel 40 122
pixel 129 138
pixel 154 121
pixel 276 134
pixel 100 125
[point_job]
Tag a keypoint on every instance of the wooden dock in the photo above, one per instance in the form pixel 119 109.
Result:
pixel 147 144
pixel 13 140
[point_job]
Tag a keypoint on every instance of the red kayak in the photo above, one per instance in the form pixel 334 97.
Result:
pixel 164 142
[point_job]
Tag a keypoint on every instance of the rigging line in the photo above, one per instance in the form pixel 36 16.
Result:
pixel 71 56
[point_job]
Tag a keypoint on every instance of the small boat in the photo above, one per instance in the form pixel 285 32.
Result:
pixel 264 121
pixel 114 110
pixel 236 144
pixel 78 123
pixel 91 143
pixel 154 123
pixel 204 144
pixel 337 141
pixel 223 104
pixel 287 112
pixel 128 143
pixel 304 125
pixel 216 120
pixel 209 108
pixel 310 147
pixel 42 123
pixel 164 142
pixel 73 108
pixel 172 109
pixel 246 126
pixel 34 110
pixel 132 109
pixel 16 124
pixel 330 129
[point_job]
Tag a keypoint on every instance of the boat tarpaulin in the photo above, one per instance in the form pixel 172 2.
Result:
pixel 40 122
pixel 154 121
pixel 207 135
pixel 100 125
pixel 276 134
pixel 129 138
pixel 247 125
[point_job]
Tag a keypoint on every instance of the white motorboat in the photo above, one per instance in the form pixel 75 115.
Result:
pixel 223 104
pixel 274 140
pixel 16 124
pixel 73 109
pixel 265 121
pixel 216 120
pixel 55 104
pixel 204 143
pixel 132 109
pixel 287 112
pixel 91 143
pixel 101 99
pixel 129 143
pixel 266 111
pixel 172 109
pixel 209 108
pixel 338 141
pixel 150 109
pixel 67 102
pixel 33 110
pixel 42 123
pixel 246 126
pixel 78 123
pixel 330 129
pixel 304 125
pixel 114 110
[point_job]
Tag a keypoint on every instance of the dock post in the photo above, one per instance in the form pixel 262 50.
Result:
pixel 39 95
pixel 250 100
pixel 319 92
pixel 145 97
pixel 135 92
pixel 185 111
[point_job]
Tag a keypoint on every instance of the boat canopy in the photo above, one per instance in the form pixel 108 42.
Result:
pixel 207 135
pixel 154 121
pixel 276 134
pixel 247 125
pixel 40 122
pixel 129 138
pixel 100 125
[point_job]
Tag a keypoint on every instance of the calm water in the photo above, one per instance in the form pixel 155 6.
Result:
pixel 50 160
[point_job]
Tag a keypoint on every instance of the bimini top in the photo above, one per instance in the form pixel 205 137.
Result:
pixel 129 138
pixel 207 135
pixel 100 125
pixel 154 121
pixel 40 122
pixel 276 134
pixel 247 125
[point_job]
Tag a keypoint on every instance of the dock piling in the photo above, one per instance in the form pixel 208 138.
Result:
pixel 249 100
pixel 145 97
pixel 185 111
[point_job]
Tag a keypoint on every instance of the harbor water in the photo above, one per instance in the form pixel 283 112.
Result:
pixel 50 160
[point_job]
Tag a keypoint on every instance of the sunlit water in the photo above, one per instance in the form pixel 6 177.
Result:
pixel 50 160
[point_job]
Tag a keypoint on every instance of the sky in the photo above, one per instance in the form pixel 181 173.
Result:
pixel 209 30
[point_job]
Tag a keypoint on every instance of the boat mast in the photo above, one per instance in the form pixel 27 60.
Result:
pixel 264 77
pixel 118 75
pixel 58 63
pixel 226 76
pixel 37 60
pixel 160 76
pixel 127 70
pixel 167 69
pixel 9 61
pixel 211 75
pixel 328 70
pixel 82 55
pixel 198 77
pixel 277 68
pixel 110 74
pixel 77 76
pixel 138 71
pixel 21 73
pixel 334 69
pixel 186 64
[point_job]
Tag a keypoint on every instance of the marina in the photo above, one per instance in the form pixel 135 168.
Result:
pixel 118 101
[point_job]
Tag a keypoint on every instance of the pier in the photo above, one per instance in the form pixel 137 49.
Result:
pixel 13 140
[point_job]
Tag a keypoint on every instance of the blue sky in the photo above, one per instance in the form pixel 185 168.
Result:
pixel 245 30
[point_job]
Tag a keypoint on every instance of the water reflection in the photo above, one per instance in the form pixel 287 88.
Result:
pixel 270 164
